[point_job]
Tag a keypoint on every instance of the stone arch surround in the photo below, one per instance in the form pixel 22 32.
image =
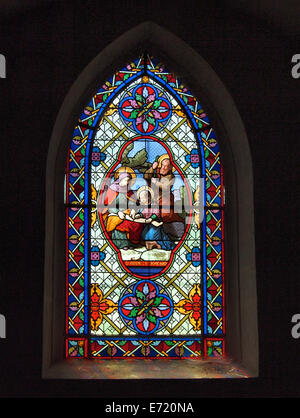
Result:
pixel 240 282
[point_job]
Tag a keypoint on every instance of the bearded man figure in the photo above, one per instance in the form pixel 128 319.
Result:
pixel 160 177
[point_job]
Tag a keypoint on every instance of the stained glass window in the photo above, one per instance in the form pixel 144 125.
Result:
pixel 144 201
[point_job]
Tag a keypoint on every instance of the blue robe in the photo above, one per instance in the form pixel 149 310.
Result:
pixel 156 233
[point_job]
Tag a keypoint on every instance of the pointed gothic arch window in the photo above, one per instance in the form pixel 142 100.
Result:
pixel 144 218
pixel 144 204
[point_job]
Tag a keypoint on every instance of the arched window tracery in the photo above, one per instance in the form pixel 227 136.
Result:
pixel 144 222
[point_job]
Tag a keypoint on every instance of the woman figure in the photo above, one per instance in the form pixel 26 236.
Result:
pixel 118 200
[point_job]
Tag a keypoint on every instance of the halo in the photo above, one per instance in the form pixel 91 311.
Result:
pixel 126 170
pixel 142 188
pixel 165 157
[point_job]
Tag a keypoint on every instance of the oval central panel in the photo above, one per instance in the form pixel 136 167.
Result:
pixel 145 206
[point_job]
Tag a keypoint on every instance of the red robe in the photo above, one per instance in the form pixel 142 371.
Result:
pixel 132 229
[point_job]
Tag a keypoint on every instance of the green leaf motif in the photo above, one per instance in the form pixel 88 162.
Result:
pixel 157 300
pixel 134 312
pixel 134 114
pixel 139 294
pixel 151 120
pixel 156 104
pixel 125 159
pixel 139 98
pixel 185 99
pixel 121 343
pixel 169 343
pixel 140 158
pixel 151 318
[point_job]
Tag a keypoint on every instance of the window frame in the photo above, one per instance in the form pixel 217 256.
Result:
pixel 240 284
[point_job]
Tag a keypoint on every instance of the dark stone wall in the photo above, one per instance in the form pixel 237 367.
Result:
pixel 46 49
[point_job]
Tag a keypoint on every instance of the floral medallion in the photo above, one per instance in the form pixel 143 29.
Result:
pixel 145 109
pixel 145 307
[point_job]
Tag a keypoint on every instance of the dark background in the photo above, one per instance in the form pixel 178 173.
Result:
pixel 249 45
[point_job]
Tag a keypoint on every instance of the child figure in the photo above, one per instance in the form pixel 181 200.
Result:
pixel 153 233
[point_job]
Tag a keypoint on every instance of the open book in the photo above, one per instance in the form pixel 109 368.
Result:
pixel 144 220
